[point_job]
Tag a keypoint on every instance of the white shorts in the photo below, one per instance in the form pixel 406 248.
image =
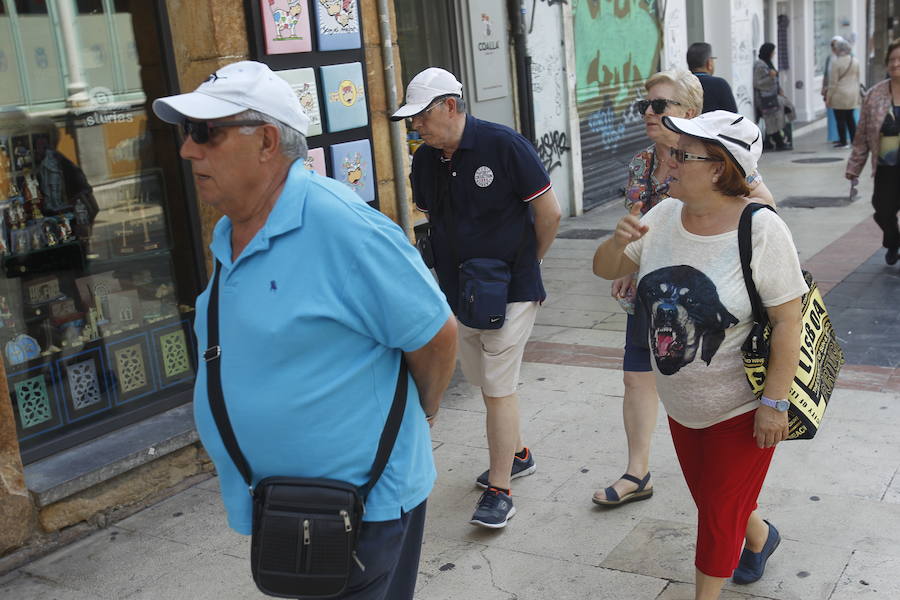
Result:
pixel 491 358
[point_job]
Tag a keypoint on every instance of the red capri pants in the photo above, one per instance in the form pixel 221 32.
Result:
pixel 724 470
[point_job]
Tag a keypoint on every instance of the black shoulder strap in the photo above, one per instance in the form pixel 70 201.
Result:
pixel 212 356
pixel 745 246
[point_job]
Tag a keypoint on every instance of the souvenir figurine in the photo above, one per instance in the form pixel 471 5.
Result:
pixel 20 214
pixel 49 233
pixel 37 240
pixel 33 195
pixel 19 241
pixel 65 228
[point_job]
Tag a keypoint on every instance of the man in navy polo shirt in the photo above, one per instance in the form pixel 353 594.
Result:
pixel 717 93
pixel 314 314
pixel 487 195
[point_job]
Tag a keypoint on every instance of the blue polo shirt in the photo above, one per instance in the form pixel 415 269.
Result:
pixel 313 316
pixel 480 199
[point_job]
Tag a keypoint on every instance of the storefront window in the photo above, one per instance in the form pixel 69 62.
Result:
pixel 98 274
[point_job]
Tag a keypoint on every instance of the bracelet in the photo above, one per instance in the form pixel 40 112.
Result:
pixel 430 417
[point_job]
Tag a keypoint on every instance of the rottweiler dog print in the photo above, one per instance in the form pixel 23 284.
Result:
pixel 685 315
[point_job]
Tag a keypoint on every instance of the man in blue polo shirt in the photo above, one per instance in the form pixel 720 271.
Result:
pixel 717 93
pixel 487 195
pixel 314 313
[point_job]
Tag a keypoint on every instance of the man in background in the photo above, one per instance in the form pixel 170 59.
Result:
pixel 717 93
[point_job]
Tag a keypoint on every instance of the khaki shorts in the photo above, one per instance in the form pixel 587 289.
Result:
pixel 491 358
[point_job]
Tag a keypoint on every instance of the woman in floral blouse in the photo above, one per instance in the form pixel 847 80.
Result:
pixel 674 93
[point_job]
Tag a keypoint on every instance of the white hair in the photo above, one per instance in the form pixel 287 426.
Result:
pixel 292 143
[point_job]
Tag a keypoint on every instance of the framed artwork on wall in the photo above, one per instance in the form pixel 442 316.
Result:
pixel 351 163
pixel 315 161
pixel 337 24
pixel 286 26
pixel 345 97
pixel 303 82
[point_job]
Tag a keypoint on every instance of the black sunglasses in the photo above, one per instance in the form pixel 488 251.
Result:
pixel 658 104
pixel 199 131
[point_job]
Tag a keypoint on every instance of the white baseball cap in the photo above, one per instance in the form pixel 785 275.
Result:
pixel 425 87
pixel 738 136
pixel 233 89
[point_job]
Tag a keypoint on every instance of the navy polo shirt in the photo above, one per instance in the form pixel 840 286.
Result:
pixel 717 93
pixel 480 199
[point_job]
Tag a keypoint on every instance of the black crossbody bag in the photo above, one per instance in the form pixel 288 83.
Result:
pixel 305 530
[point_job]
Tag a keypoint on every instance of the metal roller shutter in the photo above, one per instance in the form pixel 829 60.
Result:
pixel 617 46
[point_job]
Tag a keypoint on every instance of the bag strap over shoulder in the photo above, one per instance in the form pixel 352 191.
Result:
pixel 212 356
pixel 745 247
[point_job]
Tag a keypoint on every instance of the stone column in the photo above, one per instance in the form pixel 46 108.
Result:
pixel 16 510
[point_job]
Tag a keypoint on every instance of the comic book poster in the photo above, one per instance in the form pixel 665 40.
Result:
pixel 303 81
pixel 337 24
pixel 286 26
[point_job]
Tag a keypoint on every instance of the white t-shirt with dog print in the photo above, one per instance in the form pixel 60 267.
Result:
pixel 700 314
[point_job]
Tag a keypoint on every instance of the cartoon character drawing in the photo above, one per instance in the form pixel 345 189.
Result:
pixel 685 314
pixel 342 11
pixel 307 96
pixel 352 167
pixel 347 93
pixel 486 22
pixel 286 19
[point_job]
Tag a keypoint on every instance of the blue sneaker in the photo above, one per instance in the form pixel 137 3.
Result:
pixel 753 564
pixel 520 468
pixel 494 509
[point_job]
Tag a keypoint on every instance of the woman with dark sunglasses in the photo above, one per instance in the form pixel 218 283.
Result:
pixel 675 93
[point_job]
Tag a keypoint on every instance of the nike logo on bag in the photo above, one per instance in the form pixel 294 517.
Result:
pixel 494 319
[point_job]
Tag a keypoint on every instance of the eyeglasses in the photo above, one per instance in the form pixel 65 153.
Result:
pixel 681 156
pixel 423 113
pixel 200 131
pixel 658 104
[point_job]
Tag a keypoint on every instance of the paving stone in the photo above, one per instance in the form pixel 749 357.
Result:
pixel 499 574
pixel 113 563
pixel 869 576
pixel 22 586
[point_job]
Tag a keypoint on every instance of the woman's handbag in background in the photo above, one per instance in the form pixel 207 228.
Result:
pixel 305 530
pixel 768 103
pixel 821 357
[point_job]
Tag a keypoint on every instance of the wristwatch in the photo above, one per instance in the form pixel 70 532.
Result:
pixel 779 405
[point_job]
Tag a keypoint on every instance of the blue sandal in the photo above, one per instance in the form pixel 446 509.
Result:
pixel 641 493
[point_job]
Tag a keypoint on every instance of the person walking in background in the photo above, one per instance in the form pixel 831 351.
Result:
pixel 770 102
pixel 842 89
pixel 685 252
pixel 487 196
pixel 310 349
pixel 717 94
pixel 669 93
pixel 879 135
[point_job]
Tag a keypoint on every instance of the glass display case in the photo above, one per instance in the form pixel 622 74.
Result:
pixel 95 310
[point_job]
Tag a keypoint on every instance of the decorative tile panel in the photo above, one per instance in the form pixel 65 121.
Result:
pixel 131 368
pixel 83 384
pixel 33 401
pixel 176 360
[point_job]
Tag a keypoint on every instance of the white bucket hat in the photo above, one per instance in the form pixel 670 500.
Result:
pixel 425 87
pixel 233 89
pixel 734 133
